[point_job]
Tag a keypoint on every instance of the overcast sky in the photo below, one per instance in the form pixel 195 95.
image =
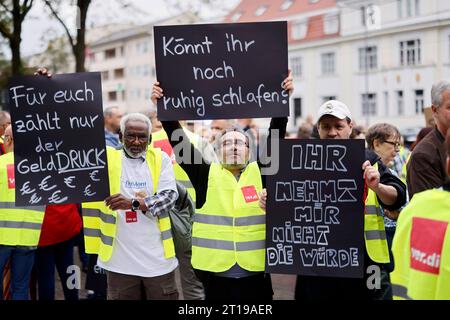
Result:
pixel 38 24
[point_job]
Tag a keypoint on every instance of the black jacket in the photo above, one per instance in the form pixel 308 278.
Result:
pixel 387 178
pixel 198 173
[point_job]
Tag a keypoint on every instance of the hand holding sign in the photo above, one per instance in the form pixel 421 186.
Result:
pixel 288 84
pixel 43 72
pixel 371 175
pixel 263 199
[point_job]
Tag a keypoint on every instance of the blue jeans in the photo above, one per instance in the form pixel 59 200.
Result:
pixel 22 261
pixel 61 256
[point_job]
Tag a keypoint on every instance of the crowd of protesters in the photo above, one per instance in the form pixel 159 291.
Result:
pixel 173 214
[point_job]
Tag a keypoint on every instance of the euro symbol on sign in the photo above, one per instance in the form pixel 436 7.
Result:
pixel 88 192
pixel 68 181
pixel 93 175
pixel 43 185
pixel 35 199
pixel 26 188
pixel 55 198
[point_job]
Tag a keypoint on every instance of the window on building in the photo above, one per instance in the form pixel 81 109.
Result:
pixel 419 102
pixel 146 70
pixel 260 11
pixel 144 47
pixel 386 103
pixel 408 8
pixel 119 73
pixel 410 53
pixel 110 53
pixel 363 15
pixel 122 51
pixel 286 4
pixel 297 108
pixel 299 29
pixel 296 66
pixel 331 24
pixel 400 103
pixel 328 63
pixel 368 58
pixel 112 96
pixel 400 8
pixel 105 75
pixel 147 94
pixel 369 104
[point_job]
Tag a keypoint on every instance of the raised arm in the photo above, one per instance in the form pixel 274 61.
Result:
pixel 187 156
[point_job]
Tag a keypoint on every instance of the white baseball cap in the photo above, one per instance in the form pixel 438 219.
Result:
pixel 334 108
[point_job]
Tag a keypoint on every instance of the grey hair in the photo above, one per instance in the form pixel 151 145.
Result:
pixel 109 111
pixel 437 90
pixel 381 132
pixel 135 117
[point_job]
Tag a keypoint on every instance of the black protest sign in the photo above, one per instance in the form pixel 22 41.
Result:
pixel 315 211
pixel 59 141
pixel 222 71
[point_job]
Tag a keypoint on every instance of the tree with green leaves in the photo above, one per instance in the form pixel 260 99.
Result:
pixel 12 15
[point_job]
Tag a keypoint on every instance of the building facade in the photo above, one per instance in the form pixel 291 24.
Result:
pixel 380 57
pixel 127 64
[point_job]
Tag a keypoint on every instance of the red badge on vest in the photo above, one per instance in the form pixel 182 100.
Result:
pixel 427 239
pixel 130 216
pixel 10 175
pixel 250 194
pixel 165 146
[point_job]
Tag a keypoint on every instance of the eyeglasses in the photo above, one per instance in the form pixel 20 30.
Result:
pixel 131 139
pixel 395 144
pixel 239 143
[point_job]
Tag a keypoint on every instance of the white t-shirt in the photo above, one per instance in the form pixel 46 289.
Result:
pixel 138 248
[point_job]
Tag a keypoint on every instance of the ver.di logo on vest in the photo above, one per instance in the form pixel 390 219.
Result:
pixel 427 239
pixel 10 175
pixel 250 194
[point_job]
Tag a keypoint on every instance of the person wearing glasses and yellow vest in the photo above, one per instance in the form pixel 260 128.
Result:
pixel 228 239
pixel 335 122
pixel 131 230
pixel 191 287
pixel 421 245
pixel 20 228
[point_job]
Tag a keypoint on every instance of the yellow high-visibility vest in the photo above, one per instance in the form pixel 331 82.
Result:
pixel 374 231
pixel 100 223
pixel 230 227
pixel 161 141
pixel 421 248
pixel 19 226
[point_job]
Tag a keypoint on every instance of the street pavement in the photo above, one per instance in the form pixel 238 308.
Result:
pixel 283 285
